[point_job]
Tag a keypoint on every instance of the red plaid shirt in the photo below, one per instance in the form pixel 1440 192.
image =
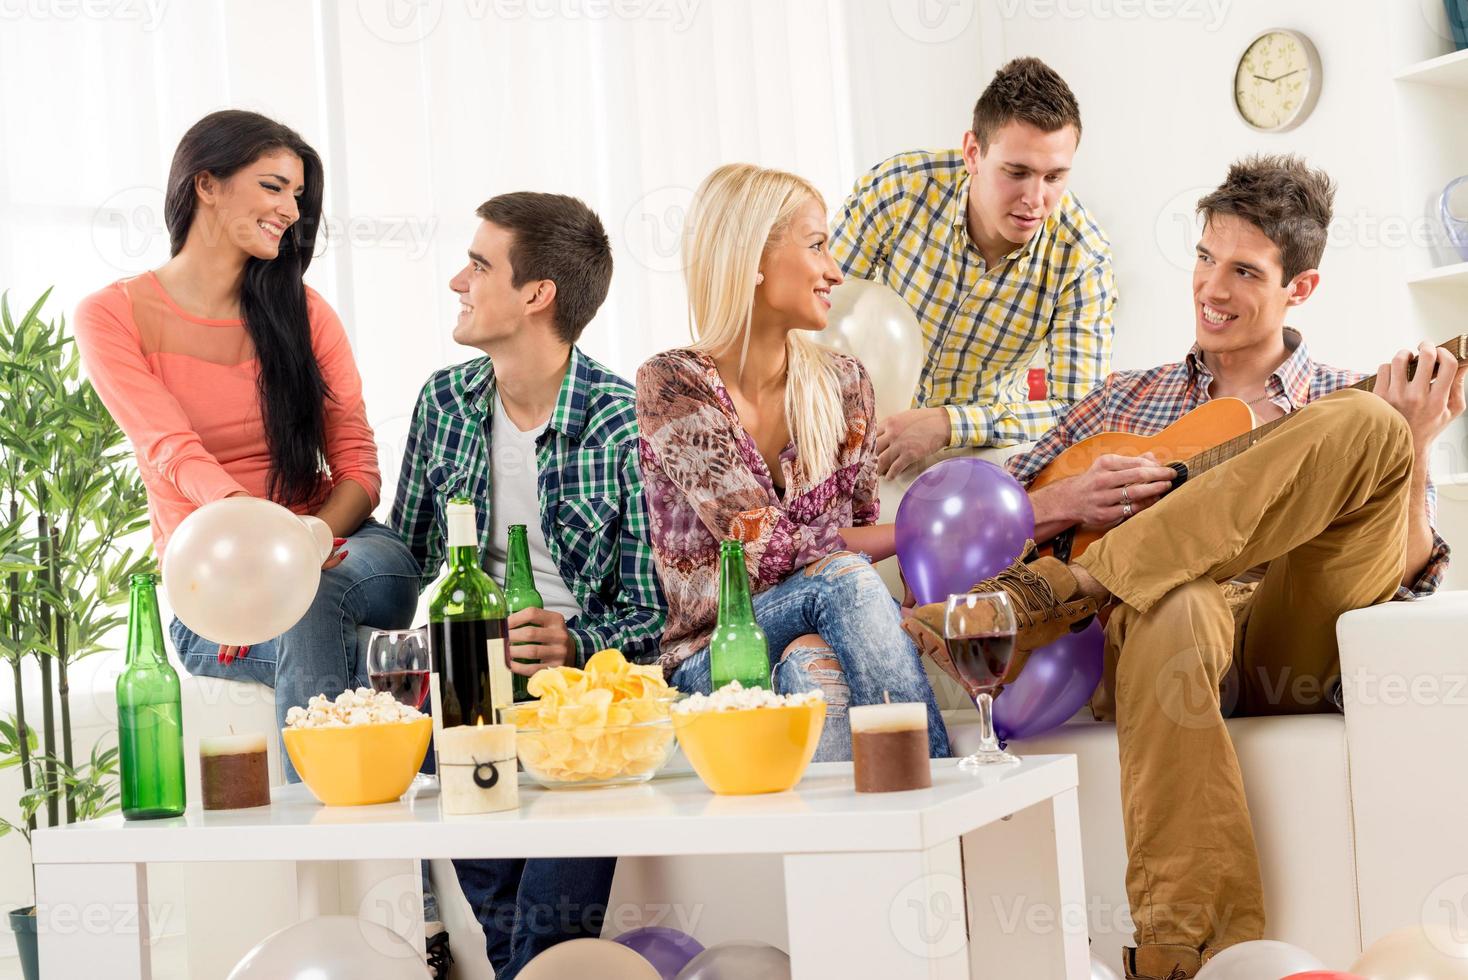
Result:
pixel 1146 402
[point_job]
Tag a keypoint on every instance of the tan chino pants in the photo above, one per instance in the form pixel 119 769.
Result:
pixel 1322 500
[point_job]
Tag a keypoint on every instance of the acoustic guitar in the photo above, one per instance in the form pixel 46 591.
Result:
pixel 1208 436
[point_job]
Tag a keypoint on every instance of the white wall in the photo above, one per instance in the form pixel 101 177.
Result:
pixel 1160 130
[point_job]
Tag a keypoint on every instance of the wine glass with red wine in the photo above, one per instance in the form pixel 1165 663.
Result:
pixel 398 662
pixel 980 629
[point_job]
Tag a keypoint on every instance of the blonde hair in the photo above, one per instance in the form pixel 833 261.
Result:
pixel 738 211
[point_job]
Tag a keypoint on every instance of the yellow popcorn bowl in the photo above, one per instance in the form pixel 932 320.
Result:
pixel 357 765
pixel 595 753
pixel 751 750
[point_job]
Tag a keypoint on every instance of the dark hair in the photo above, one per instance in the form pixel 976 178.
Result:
pixel 272 296
pixel 1284 198
pixel 561 239
pixel 1031 91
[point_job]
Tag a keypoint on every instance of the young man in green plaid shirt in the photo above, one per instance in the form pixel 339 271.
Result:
pixel 537 433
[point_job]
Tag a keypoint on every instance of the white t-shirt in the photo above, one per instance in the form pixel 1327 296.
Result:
pixel 515 499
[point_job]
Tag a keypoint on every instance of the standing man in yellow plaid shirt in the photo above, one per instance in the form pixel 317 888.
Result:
pixel 998 260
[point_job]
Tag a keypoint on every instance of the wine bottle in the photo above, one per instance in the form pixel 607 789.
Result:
pixel 738 650
pixel 466 631
pixel 520 593
pixel 150 751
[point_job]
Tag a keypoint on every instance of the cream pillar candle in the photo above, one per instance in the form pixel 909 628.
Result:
pixel 477 769
pixel 233 771
pixel 889 747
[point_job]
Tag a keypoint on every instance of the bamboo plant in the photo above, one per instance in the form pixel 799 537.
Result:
pixel 71 509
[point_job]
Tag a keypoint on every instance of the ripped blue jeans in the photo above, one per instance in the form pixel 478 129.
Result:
pixel 865 654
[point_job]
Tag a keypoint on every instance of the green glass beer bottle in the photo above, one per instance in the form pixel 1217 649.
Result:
pixel 520 593
pixel 149 715
pixel 466 631
pixel 738 650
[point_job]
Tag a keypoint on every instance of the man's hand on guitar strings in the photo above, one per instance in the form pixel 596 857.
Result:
pixel 1431 399
pixel 1096 499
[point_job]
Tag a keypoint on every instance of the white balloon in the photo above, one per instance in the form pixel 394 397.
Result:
pixel 1257 959
pixel 601 959
pixel 243 570
pixel 332 947
pixel 1431 951
pixel 1100 971
pixel 876 326
pixel 748 959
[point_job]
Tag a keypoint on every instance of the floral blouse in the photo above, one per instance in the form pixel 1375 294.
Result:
pixel 706 481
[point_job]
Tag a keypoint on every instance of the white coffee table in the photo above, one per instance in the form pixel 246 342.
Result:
pixel 873 883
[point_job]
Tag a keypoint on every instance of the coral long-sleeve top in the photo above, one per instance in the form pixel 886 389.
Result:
pixel 183 390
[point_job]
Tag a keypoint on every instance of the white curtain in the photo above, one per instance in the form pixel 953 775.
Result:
pixel 423 109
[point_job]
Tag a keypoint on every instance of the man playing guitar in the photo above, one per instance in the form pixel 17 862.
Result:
pixel 1333 503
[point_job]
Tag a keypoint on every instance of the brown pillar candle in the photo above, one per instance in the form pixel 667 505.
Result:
pixel 889 747
pixel 233 771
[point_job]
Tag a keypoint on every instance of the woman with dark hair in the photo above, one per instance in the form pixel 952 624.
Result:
pixel 230 376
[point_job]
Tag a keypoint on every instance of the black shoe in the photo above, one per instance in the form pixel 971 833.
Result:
pixel 440 959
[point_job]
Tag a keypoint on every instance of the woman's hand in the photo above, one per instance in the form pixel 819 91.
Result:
pixel 335 558
pixel 228 654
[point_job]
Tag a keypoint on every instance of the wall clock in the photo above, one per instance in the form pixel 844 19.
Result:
pixel 1277 81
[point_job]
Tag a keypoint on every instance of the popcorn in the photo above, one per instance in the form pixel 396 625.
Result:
pixel 363 706
pixel 734 696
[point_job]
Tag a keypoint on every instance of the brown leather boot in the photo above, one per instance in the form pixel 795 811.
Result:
pixel 1161 961
pixel 1047 604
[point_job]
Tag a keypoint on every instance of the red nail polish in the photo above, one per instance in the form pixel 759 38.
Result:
pixel 243 651
pixel 343 554
pixel 338 541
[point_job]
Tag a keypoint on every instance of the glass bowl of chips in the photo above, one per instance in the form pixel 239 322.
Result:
pixel 605 724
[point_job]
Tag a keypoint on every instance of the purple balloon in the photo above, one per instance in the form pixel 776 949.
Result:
pixel 1056 681
pixel 668 950
pixel 962 520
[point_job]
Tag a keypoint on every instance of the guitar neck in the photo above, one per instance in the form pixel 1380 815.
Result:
pixel 1209 458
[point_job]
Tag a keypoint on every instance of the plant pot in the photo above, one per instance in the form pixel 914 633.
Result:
pixel 23 924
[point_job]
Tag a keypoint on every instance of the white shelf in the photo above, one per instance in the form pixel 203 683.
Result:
pixel 1448 71
pixel 1455 274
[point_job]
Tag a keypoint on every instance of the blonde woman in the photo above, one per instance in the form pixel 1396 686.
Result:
pixel 755 432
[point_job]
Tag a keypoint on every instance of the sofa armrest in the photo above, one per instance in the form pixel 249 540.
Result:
pixel 1404 668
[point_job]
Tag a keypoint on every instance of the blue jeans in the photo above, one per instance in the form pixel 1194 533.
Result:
pixel 377 585
pixel 844 602
pixel 528 906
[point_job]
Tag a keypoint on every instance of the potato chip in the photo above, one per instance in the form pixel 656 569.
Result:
pixel 577 727
pixel 607 662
